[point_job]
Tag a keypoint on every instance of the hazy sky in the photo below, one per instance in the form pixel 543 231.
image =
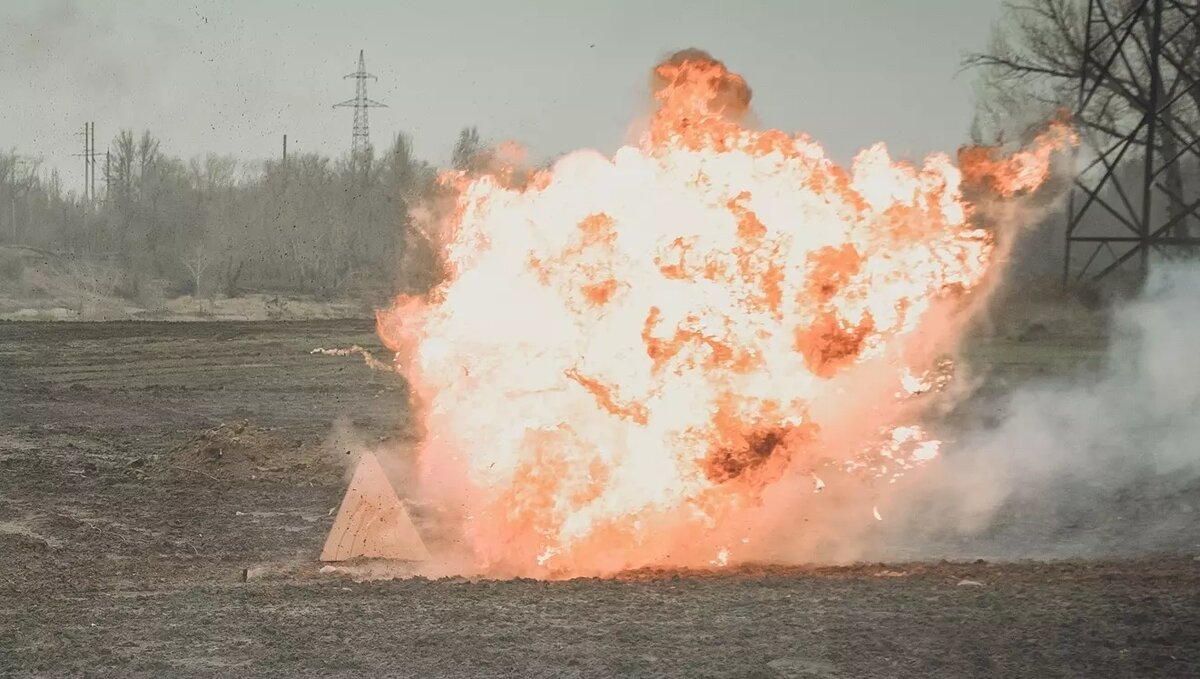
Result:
pixel 234 76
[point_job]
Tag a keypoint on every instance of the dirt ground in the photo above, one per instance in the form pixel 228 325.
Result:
pixel 122 553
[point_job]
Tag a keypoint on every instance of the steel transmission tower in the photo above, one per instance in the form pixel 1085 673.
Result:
pixel 362 129
pixel 1139 54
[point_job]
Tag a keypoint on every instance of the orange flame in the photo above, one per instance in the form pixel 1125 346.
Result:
pixel 629 353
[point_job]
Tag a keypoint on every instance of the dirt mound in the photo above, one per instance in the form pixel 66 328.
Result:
pixel 241 451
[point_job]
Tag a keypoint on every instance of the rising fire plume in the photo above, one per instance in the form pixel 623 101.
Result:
pixel 634 360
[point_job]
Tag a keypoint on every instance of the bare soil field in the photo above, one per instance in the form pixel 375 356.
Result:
pixel 123 544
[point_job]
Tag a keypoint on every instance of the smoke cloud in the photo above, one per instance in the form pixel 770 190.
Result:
pixel 1106 465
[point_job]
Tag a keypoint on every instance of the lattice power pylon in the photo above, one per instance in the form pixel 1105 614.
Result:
pixel 361 140
pixel 1138 111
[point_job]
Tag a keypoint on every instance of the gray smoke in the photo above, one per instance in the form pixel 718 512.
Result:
pixel 1102 465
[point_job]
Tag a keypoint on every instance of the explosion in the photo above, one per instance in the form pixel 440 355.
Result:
pixel 635 360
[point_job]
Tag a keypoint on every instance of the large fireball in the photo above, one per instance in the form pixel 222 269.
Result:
pixel 633 360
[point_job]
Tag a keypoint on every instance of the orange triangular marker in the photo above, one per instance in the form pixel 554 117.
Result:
pixel 372 522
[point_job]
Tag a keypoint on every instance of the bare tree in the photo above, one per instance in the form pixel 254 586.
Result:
pixel 18 177
pixel 470 153
pixel 197 262
pixel 1037 59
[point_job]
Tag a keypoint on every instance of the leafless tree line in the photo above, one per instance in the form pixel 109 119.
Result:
pixel 310 225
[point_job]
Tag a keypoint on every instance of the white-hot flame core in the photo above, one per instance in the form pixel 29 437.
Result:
pixel 628 351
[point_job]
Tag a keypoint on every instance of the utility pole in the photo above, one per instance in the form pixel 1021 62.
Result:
pixel 361 139
pixel 89 161
pixel 92 160
pixel 87 150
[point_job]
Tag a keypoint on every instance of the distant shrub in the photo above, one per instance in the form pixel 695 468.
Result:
pixel 130 286
pixel 277 308
pixel 12 267
pixel 181 287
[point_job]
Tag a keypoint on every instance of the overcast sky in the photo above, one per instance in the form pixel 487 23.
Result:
pixel 233 76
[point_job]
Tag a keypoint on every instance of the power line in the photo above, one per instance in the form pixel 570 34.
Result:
pixel 89 156
pixel 361 139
